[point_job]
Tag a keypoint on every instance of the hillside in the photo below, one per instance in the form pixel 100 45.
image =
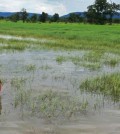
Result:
pixel 81 14
pixel 7 14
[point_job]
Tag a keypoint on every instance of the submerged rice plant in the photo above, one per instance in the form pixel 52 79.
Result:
pixel 111 59
pixel 48 104
pixel 17 83
pixel 108 85
pixel 61 59
pixel 30 67
pixel 93 56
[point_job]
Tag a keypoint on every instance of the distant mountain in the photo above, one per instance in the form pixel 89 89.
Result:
pixel 78 13
pixel 7 14
pixel 116 16
pixel 81 14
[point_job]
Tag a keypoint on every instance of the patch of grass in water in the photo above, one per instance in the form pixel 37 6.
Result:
pixel 21 97
pixel 17 83
pixel 75 59
pixel 111 60
pixel 91 63
pixel 108 85
pixel 93 56
pixel 93 60
pixel 30 67
pixel 91 66
pixel 48 104
pixel 61 59
pixel 14 47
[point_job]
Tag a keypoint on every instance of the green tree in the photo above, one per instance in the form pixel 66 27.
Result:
pixel 24 15
pixel 74 17
pixel 55 17
pixel 33 18
pixel 91 14
pixel 15 17
pixel 112 9
pixel 98 11
pixel 43 17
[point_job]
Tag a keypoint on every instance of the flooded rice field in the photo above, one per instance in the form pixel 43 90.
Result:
pixel 42 93
pixel 10 37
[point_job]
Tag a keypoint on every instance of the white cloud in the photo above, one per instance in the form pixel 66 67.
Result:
pixel 49 6
pixel 36 6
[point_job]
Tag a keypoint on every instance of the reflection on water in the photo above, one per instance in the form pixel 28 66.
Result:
pixel 38 71
pixel 0 105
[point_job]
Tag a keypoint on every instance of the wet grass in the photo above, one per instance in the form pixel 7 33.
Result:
pixel 108 85
pixel 17 83
pixel 61 59
pixel 30 67
pixel 91 66
pixel 95 40
pixel 111 60
pixel 92 60
pixel 47 104
pixel 76 37
pixel 93 56
pixel 45 67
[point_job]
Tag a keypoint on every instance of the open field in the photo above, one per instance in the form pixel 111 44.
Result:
pixel 67 36
pixel 59 78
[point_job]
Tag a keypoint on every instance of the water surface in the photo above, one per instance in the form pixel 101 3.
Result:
pixel 43 72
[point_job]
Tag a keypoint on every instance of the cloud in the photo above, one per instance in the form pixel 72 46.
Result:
pixel 37 6
pixel 49 6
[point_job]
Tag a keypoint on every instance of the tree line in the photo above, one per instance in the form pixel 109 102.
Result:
pixel 101 12
pixel 24 16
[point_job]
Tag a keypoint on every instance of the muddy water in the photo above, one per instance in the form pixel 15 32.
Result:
pixel 9 37
pixel 42 72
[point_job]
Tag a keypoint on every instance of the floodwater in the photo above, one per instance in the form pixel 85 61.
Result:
pixel 9 37
pixel 43 72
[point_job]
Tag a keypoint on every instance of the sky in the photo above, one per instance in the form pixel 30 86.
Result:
pixel 49 6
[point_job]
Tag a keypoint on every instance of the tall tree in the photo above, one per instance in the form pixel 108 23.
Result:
pixel 91 14
pixel 43 17
pixel 112 9
pixel 23 14
pixel 55 17
pixel 98 11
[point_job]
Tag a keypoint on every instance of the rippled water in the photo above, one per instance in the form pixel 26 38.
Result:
pixel 65 77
